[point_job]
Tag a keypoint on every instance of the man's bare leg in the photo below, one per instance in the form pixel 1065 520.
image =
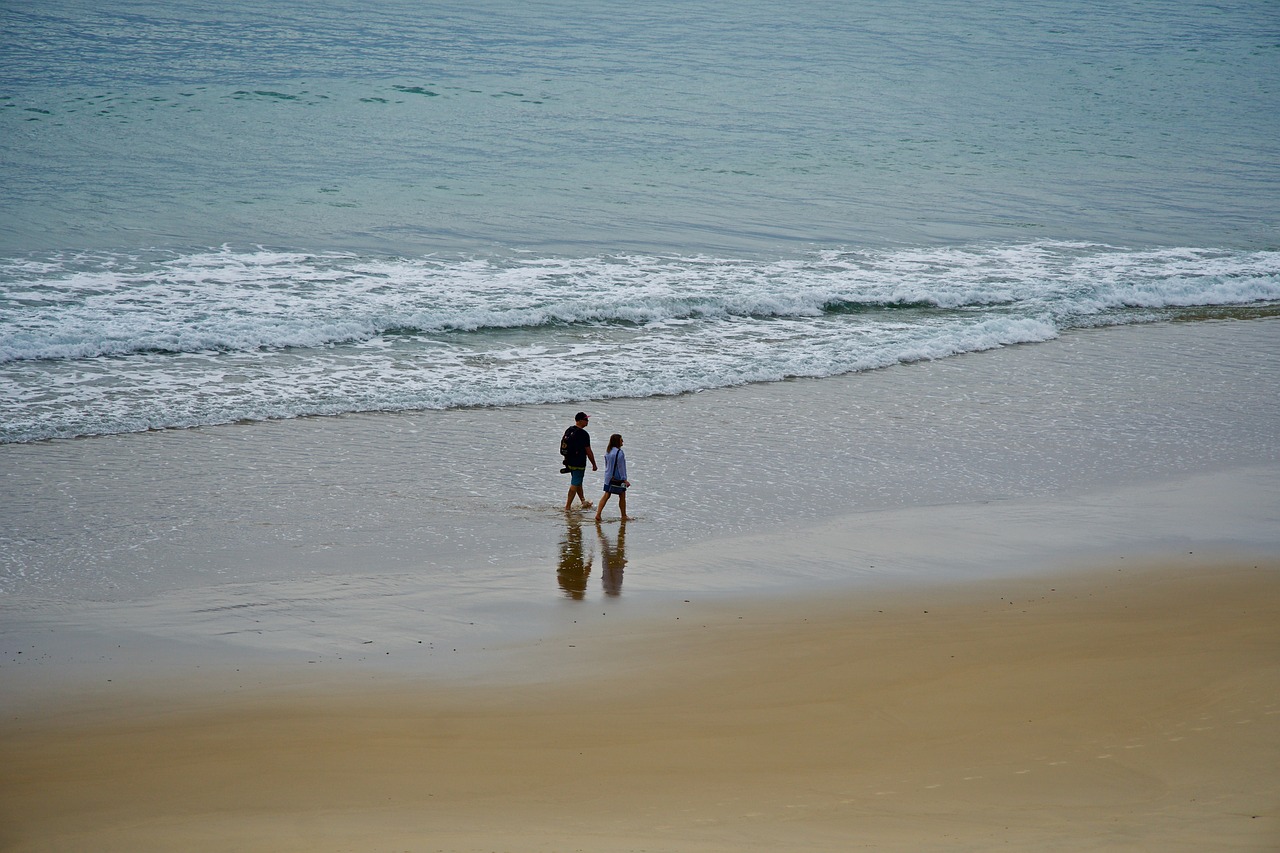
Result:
pixel 568 501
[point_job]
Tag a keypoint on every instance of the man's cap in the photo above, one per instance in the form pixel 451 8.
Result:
pixel 581 416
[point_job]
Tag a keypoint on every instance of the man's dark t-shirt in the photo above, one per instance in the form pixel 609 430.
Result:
pixel 578 442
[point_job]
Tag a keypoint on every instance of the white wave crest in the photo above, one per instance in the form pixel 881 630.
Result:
pixel 243 301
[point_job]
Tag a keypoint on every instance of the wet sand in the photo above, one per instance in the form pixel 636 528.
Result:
pixel 1128 707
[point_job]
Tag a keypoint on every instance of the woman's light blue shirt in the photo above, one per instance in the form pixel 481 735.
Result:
pixel 615 466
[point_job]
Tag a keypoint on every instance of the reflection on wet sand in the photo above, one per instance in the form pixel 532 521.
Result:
pixel 575 562
pixel 574 566
pixel 613 557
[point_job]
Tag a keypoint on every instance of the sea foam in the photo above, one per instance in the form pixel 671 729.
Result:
pixel 110 343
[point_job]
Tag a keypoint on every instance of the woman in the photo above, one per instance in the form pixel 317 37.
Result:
pixel 615 476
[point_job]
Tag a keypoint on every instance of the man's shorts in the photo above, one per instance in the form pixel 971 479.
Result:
pixel 576 475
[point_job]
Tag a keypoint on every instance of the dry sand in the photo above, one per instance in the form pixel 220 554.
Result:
pixel 1121 708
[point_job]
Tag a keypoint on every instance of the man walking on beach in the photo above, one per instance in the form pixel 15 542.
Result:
pixel 577 444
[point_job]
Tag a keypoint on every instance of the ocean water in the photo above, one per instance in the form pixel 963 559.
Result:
pixel 212 214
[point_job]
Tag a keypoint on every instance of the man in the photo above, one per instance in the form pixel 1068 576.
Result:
pixel 577 451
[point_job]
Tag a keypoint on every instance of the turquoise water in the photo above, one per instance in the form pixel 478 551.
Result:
pixel 218 213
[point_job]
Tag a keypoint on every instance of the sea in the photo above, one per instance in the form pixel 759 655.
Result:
pixel 244 212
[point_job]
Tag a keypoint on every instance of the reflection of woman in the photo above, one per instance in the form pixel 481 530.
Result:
pixel 615 476
pixel 613 559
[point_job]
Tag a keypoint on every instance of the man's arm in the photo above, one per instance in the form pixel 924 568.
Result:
pixel 592 457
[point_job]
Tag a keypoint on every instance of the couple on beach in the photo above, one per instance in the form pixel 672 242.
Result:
pixel 576 448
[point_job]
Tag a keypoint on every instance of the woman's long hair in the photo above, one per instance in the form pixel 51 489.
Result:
pixel 615 440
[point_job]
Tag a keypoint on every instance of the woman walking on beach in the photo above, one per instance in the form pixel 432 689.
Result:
pixel 615 476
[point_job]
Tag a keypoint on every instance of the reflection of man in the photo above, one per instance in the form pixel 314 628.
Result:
pixel 575 567
pixel 577 444
pixel 613 559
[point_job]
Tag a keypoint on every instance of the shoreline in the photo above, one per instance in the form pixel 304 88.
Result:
pixel 471 495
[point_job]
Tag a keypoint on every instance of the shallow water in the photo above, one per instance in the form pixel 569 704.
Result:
pixel 474 494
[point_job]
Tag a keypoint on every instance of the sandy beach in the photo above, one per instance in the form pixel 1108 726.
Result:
pixel 1123 708
pixel 943 340
pixel 1067 639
